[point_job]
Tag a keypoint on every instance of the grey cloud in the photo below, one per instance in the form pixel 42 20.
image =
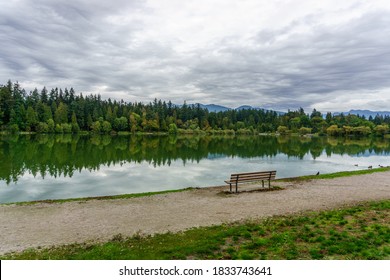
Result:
pixel 86 45
pixel 352 57
pixel 67 40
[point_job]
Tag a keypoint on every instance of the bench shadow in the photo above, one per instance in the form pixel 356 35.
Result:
pixel 251 190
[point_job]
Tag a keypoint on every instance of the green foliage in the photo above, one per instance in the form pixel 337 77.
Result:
pixel 75 128
pixel 333 130
pixel 381 130
pixel 243 131
pixel 152 125
pixel 134 122
pixel 13 128
pixel 362 130
pixel 172 129
pixel 66 128
pixel 105 127
pixel 27 110
pixel 31 119
pixel 58 129
pixel 61 114
pixel 50 126
pixel 42 127
pixel 283 130
pixel 305 130
pixel 96 127
pixel 120 124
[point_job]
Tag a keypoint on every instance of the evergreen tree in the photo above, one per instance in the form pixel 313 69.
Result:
pixel 61 114
pixel 31 119
pixel 44 96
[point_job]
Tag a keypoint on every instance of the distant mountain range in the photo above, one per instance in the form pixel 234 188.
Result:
pixel 214 108
pixel 368 113
pixel 218 108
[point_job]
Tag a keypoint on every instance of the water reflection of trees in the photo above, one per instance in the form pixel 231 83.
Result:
pixel 62 155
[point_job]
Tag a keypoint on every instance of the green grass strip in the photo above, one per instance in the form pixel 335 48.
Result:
pixel 352 233
pixel 121 196
pixel 338 174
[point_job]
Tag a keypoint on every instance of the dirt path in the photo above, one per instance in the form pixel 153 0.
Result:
pixel 43 224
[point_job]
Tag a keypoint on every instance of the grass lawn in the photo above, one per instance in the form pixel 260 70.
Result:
pixel 358 232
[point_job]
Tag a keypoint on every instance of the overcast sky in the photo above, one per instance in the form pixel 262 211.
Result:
pixel 331 55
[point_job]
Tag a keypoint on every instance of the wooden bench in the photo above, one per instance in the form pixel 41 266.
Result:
pixel 240 178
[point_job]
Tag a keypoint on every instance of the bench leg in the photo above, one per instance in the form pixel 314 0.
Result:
pixel 269 184
pixel 236 187
pixel 262 183
pixel 230 187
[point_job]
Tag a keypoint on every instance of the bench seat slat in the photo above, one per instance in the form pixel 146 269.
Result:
pixel 253 179
pixel 255 176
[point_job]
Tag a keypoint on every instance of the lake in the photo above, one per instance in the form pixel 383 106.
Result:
pixel 37 167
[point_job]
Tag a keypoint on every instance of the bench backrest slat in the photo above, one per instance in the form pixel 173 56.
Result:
pixel 253 176
pixel 252 173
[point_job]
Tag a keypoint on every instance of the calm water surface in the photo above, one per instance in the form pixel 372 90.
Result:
pixel 36 167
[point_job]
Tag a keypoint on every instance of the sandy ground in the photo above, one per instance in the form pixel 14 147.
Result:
pixel 44 224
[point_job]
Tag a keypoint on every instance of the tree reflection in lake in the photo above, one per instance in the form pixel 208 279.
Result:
pixel 62 156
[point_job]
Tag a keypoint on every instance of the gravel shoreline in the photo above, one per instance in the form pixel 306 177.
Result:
pixel 43 224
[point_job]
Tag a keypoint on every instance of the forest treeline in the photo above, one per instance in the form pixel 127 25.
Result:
pixel 64 111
